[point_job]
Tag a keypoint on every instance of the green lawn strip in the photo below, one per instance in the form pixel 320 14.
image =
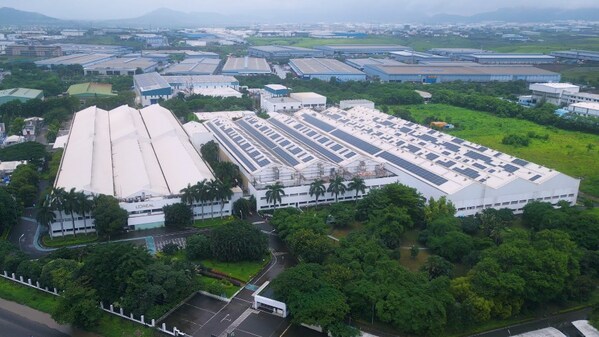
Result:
pixel 228 288
pixel 66 241
pixel 565 151
pixel 214 222
pixel 243 271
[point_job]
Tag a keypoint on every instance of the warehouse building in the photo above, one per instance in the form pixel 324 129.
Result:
pixel 194 66
pixel 85 60
pixel 75 48
pixel 190 84
pixel 33 51
pixel 246 66
pixel 457 53
pixel 553 93
pixel 297 149
pixel 412 57
pixel 88 90
pixel 359 49
pixel 497 58
pixel 352 103
pixel 20 94
pixel 585 109
pixel 293 102
pixel 283 52
pixel 122 66
pixel 578 55
pixel 142 157
pixel 325 69
pixel 432 73
pixel 361 63
pixel 151 88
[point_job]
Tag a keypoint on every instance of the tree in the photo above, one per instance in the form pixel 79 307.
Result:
pixel 197 247
pixel 437 266
pixel 317 189
pixel 441 208
pixel 238 241
pixel 452 246
pixel 84 206
pixel 337 187
pixel 223 193
pixel 241 208
pixel 389 224
pixel 44 215
pixel 201 193
pixel 57 203
pixel 70 201
pixel 414 251
pixel 177 215
pixel 109 217
pixel 309 246
pixel 9 210
pixel 357 184
pixel 188 195
pixel 78 305
pixel 274 193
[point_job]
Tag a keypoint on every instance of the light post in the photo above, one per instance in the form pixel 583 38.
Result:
pixel 20 238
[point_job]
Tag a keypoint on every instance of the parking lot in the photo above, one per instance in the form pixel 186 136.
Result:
pixel 194 313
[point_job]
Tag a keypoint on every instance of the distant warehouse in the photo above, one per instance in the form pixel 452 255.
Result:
pixel 448 73
pixel 325 69
pixel 361 63
pixel 84 60
pixel 360 49
pixel 246 66
pixel 508 58
pixel 410 56
pixel 579 55
pixel 122 66
pixel 283 52
pixel 194 66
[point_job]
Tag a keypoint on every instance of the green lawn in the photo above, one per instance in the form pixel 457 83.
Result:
pixel 109 325
pixel 565 151
pixel 243 271
pixel 413 264
pixel 70 240
pixel 212 283
pixel 214 222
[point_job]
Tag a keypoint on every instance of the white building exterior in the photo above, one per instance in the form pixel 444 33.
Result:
pixel 151 88
pixel 552 92
pixel 296 150
pixel 142 157
pixel 310 100
pixel 585 109
pixel 264 300
pixel 279 104
pixel 351 103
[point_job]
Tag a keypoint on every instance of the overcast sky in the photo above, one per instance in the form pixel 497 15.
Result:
pixel 111 9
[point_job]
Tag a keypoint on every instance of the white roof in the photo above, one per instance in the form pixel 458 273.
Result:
pixel 206 116
pixel 9 166
pixel 585 328
pixel 194 127
pixel 127 153
pixel 546 332
pixel 218 92
pixel 306 95
pixel 586 105
pixel 60 142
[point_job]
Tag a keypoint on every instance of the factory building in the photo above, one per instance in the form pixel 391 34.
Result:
pixel 413 57
pixel 585 109
pixel 191 84
pixel 359 49
pixel 297 149
pixel 85 60
pixel 433 73
pixel 151 88
pixel 122 66
pixel 74 48
pixel 278 98
pixel 361 63
pixel 325 69
pixel 577 55
pixel 142 157
pixel 553 93
pixel 193 66
pixel 509 58
pixel 457 53
pixel 283 52
pixel 246 66
pixel 20 94
pixel 352 103
pixel 33 51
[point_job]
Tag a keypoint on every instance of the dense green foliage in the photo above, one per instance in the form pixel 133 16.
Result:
pixel 237 241
pixel 23 184
pixel 181 106
pixel 33 152
pixel 9 210
pixel 177 215
pixel 109 217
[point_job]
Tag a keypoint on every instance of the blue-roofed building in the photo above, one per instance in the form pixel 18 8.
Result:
pixel 151 88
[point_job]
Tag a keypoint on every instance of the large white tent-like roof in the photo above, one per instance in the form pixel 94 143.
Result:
pixel 129 153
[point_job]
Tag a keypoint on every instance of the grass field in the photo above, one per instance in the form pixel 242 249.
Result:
pixel 66 241
pixel 243 271
pixel 565 151
pixel 214 222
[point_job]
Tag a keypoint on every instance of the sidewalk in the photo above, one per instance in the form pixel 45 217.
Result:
pixel 43 318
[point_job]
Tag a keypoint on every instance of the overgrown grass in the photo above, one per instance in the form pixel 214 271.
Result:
pixel 70 240
pixel 340 233
pixel 243 271
pixel 228 288
pixel 565 151
pixel 413 264
pixel 112 326
pixel 214 222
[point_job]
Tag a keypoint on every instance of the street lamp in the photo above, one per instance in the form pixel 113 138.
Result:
pixel 21 238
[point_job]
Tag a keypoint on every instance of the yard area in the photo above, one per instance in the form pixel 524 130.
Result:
pixel 214 222
pixel 65 241
pixel 573 153
pixel 242 271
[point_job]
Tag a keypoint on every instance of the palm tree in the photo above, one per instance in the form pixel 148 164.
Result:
pixel 57 203
pixel 317 189
pixel 45 215
pixel 337 187
pixel 200 193
pixel 70 206
pixel 274 193
pixel 211 189
pixel 84 205
pixel 357 184
pixel 223 194
pixel 187 195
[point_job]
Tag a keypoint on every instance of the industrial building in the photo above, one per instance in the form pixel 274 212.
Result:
pixel 283 52
pixel 577 55
pixel 509 58
pixel 246 66
pixel 361 63
pixel 122 66
pixel 151 88
pixel 142 157
pixel 188 54
pixel 359 49
pixel 74 48
pixel 585 109
pixel 191 84
pixel 84 91
pixel 457 53
pixel 325 69
pixel 293 102
pixel 553 93
pixel 33 51
pixel 352 103
pixel 297 149
pixel 85 60
pixel 193 66
pixel 433 73
pixel 20 94
pixel 412 57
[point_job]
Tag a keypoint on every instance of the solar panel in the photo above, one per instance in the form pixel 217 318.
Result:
pixel 285 156
pixel 451 147
pixel 520 162
pixel 480 166
pixel 412 168
pixel 412 148
pixel 535 177
pixel 310 143
pixel 295 150
pixel 399 143
pixel 318 123
pixel 510 168
pixel 448 163
pixel 256 134
pixel 323 140
pixel 232 148
pixel 263 162
pixel 431 156
pixel 428 138
pixel 467 172
pixel 336 147
pixel 307 159
pixel 405 130
pixel 285 143
pixel 457 140
pixel 354 141
pixel 476 155
pixel 349 155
